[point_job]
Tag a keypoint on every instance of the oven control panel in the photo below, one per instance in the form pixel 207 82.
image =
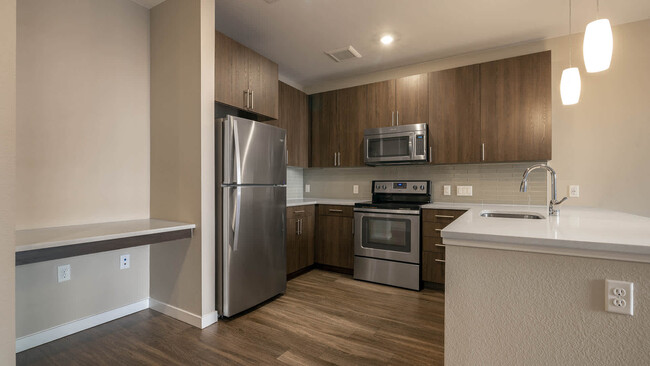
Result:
pixel 403 187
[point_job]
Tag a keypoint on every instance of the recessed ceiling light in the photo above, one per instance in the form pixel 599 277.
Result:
pixel 387 39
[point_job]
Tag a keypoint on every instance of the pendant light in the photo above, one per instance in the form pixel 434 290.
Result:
pixel 570 84
pixel 598 44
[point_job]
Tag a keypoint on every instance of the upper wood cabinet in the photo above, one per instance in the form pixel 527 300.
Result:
pixel 352 120
pixel 324 129
pixel 516 108
pixel 380 104
pixel 293 116
pixel 412 99
pixel 455 115
pixel 244 79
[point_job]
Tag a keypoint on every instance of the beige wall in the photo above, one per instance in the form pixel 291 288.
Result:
pixel 182 87
pixel 511 308
pixel 82 149
pixel 83 112
pixel 7 178
pixel 600 143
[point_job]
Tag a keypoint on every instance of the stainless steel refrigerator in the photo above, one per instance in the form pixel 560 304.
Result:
pixel 251 217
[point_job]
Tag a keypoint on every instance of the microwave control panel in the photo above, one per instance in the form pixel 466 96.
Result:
pixel 419 145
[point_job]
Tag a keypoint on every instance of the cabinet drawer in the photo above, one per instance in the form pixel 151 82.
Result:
pixel 432 228
pixel 442 216
pixel 433 268
pixel 300 211
pixel 433 245
pixel 332 210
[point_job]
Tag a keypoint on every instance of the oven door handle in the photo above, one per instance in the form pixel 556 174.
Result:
pixel 386 211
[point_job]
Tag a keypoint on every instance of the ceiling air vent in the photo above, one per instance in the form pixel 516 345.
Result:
pixel 343 54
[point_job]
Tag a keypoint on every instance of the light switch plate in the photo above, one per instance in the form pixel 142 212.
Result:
pixel 463 190
pixel 446 190
pixel 307 188
pixel 355 189
pixel 125 261
pixel 574 191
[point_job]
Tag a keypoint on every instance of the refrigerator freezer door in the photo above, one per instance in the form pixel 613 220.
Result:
pixel 253 250
pixel 253 153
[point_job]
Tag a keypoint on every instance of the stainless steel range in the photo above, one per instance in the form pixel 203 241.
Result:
pixel 387 240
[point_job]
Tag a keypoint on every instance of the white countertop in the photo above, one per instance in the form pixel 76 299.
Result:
pixel 577 231
pixel 69 235
pixel 323 201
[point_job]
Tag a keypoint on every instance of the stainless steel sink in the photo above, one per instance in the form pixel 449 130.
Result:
pixel 513 215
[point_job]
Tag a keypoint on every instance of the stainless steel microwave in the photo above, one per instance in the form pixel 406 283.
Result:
pixel 406 144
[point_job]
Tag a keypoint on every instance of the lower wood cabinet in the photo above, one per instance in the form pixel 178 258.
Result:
pixel 433 251
pixel 300 237
pixel 335 236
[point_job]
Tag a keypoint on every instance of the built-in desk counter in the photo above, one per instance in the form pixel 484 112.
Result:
pixel 39 245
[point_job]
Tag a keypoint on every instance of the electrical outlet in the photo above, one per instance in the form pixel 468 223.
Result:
pixel 574 191
pixel 355 189
pixel 125 261
pixel 446 190
pixel 307 188
pixel 463 190
pixel 619 297
pixel 64 273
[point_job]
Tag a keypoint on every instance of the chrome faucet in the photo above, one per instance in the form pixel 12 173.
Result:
pixel 551 205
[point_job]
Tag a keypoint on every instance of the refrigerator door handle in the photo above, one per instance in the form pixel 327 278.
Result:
pixel 237 152
pixel 236 219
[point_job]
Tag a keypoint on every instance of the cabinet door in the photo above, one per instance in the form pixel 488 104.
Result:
pixel 231 71
pixel 455 115
pixel 380 102
pixel 293 116
pixel 324 136
pixel 351 113
pixel 335 241
pixel 263 82
pixel 293 250
pixel 239 74
pixel 412 99
pixel 516 108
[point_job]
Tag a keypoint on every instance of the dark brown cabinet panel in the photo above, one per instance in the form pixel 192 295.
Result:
pixel 293 116
pixel 455 115
pixel 516 108
pixel 300 238
pixel 433 250
pixel 335 236
pixel 380 104
pixel 238 71
pixel 324 129
pixel 351 115
pixel 412 99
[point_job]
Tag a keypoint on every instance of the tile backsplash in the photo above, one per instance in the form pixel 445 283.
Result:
pixel 491 183
pixel 294 183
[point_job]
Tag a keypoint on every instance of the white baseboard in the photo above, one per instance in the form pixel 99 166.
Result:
pixel 60 331
pixel 183 315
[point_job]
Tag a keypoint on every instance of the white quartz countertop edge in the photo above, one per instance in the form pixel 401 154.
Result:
pixel 323 201
pixel 33 239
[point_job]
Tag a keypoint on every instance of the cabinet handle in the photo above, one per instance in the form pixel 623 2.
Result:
pixel 439 260
pixel 252 100
pixel 392 118
pixel 245 98
pixel 430 155
pixel 300 226
pixel 440 245
pixel 444 216
pixel 397 114
pixel 483 152
pixel 297 227
pixel 334 159
pixel 437 229
pixel 301 211
pixel 335 210
pixel 339 154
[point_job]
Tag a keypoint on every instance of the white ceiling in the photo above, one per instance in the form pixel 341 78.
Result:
pixel 295 33
pixel 148 3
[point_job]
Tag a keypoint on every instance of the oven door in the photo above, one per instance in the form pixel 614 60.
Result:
pixel 387 148
pixel 392 236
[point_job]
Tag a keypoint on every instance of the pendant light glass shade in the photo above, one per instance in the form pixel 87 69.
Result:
pixel 598 45
pixel 570 86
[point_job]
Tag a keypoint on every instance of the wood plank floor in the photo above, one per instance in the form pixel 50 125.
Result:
pixel 324 318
